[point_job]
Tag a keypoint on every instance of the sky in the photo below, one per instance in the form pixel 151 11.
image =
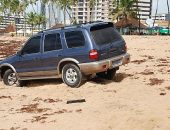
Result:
pixel 162 6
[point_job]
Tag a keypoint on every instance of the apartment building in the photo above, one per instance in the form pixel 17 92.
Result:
pixel 83 13
pixel 145 9
pixel 101 10
pixel 19 20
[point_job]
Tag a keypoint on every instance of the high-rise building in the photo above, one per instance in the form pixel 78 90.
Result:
pixel 101 10
pixel 83 13
pixel 145 8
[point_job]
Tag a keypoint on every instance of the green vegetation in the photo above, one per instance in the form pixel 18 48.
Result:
pixel 124 9
pixel 37 17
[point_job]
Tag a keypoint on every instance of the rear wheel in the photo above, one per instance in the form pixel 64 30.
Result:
pixel 109 74
pixel 9 77
pixel 72 75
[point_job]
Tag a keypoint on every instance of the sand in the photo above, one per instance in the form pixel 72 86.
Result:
pixel 137 99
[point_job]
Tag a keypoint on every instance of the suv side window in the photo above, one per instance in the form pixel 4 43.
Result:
pixel 52 42
pixel 32 46
pixel 74 39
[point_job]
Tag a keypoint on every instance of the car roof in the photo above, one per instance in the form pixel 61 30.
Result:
pixel 82 25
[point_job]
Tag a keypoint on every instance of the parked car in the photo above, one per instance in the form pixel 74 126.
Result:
pixel 72 53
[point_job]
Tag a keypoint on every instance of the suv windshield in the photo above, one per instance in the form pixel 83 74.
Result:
pixel 104 34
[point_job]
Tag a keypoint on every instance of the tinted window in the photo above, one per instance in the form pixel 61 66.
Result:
pixel 75 39
pixel 104 35
pixel 32 46
pixel 52 42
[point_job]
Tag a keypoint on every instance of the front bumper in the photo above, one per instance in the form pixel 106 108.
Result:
pixel 104 65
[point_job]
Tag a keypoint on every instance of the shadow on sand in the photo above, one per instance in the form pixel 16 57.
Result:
pixel 119 77
pixel 43 82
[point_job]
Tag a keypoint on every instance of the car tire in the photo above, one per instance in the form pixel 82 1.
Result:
pixel 109 74
pixel 72 76
pixel 9 77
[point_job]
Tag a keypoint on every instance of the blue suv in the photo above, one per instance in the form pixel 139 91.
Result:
pixel 72 53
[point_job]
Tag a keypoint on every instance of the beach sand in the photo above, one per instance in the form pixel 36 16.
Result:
pixel 137 99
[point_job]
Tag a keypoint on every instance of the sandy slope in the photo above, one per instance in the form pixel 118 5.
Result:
pixel 137 99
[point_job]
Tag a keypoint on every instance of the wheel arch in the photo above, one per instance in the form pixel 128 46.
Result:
pixel 66 61
pixel 4 67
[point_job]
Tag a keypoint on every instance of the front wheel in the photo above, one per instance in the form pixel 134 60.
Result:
pixel 72 76
pixel 9 77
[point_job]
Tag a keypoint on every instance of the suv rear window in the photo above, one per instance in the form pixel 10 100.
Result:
pixel 74 39
pixel 103 34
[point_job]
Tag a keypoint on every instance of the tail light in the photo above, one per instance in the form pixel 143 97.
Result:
pixel 93 54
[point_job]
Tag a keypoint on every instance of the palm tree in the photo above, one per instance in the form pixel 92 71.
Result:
pixel 39 19
pixel 33 2
pixel 54 2
pixel 91 8
pixel 65 4
pixel 49 4
pixel 125 9
pixel 5 7
pixel 31 19
pixel 24 5
pixel 15 9
pixel 1 18
pixel 43 10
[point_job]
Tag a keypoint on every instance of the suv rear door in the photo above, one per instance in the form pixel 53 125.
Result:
pixel 52 53
pixel 107 41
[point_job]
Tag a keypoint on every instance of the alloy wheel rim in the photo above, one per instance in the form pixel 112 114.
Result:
pixel 71 75
pixel 12 79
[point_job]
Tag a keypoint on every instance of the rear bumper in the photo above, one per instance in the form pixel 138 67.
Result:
pixel 104 65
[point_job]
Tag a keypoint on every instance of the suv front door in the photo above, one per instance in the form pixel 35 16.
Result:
pixel 29 64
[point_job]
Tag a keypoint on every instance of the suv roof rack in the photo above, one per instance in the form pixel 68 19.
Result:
pixel 71 26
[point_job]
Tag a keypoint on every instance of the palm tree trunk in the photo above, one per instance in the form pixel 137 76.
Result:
pixel 16 19
pixel 71 19
pixel 33 8
pixel 24 23
pixel 43 12
pixel 64 16
pixel 32 28
pixel 39 27
pixel 49 17
pixel 91 15
pixel 54 14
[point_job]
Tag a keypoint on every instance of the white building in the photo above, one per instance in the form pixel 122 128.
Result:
pixel 160 17
pixel 82 12
pixel 101 10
